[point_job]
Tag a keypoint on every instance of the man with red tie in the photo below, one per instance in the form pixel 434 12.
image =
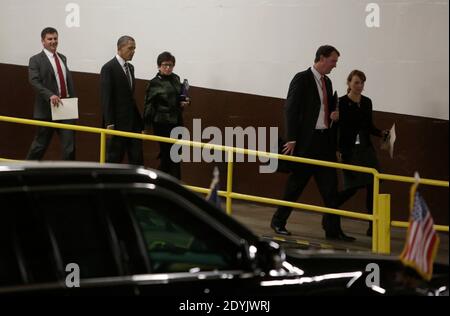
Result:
pixel 52 81
pixel 309 113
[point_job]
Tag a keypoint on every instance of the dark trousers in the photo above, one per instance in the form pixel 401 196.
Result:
pixel 167 165
pixel 321 148
pixel 44 136
pixel 117 147
pixel 345 195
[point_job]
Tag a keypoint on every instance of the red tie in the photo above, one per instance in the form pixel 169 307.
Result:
pixel 62 82
pixel 326 119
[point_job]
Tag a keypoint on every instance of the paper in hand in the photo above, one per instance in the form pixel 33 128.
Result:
pixel 68 110
pixel 389 141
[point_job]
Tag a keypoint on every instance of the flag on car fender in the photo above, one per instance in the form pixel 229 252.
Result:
pixel 422 241
pixel 213 195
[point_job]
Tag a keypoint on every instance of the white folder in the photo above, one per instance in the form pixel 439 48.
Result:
pixel 68 110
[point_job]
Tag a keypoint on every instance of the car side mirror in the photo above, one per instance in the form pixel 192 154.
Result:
pixel 264 256
pixel 270 256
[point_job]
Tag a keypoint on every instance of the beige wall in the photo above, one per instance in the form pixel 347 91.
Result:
pixel 253 46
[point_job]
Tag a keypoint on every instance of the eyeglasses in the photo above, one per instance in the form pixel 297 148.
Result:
pixel 167 65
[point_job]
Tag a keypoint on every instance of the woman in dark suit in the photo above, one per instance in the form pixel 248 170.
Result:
pixel 355 146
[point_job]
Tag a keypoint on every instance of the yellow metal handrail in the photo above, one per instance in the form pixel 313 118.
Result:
pixel 381 212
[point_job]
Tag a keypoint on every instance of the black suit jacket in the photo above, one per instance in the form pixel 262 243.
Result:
pixel 117 98
pixel 302 110
pixel 43 79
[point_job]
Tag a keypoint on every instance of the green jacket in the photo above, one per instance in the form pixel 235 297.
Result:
pixel 162 101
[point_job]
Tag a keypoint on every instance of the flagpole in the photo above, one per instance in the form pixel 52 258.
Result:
pixel 413 191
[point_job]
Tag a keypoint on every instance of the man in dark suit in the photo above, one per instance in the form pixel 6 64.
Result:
pixel 51 79
pixel 309 112
pixel 120 111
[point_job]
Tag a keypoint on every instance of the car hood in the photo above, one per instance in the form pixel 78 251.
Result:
pixel 387 270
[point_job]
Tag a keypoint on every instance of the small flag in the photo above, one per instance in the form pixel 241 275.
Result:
pixel 422 241
pixel 213 195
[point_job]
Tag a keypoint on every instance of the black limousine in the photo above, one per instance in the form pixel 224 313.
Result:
pixel 92 229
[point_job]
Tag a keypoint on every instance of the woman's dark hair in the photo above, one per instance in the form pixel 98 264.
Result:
pixel 357 73
pixel 165 56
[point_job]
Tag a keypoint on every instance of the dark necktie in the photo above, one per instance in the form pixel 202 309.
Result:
pixel 62 81
pixel 326 118
pixel 127 71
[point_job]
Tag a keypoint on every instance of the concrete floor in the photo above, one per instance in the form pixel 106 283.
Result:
pixel 307 231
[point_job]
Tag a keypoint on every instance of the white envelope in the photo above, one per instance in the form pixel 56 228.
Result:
pixel 68 110
pixel 388 143
pixel 392 138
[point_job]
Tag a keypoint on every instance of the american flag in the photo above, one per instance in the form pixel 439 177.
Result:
pixel 422 241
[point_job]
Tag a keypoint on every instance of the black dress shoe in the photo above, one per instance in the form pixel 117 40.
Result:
pixel 280 230
pixel 339 236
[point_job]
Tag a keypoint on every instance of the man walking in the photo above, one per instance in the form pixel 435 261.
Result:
pixel 52 81
pixel 309 111
pixel 120 111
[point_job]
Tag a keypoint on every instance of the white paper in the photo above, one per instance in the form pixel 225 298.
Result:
pixel 388 143
pixel 392 138
pixel 68 110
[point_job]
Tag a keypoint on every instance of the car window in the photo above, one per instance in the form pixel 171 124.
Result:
pixel 133 254
pixel 179 241
pixel 80 231
pixel 107 232
pixel 10 273
pixel 27 256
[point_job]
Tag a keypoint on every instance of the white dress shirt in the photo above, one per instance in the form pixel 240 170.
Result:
pixel 320 124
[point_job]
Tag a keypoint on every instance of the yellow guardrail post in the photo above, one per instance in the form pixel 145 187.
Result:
pixel 229 181
pixel 102 147
pixel 384 223
pixel 376 190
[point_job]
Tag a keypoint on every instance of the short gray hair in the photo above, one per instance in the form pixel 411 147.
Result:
pixel 123 40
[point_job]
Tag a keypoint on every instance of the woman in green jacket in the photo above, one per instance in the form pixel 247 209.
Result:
pixel 163 108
